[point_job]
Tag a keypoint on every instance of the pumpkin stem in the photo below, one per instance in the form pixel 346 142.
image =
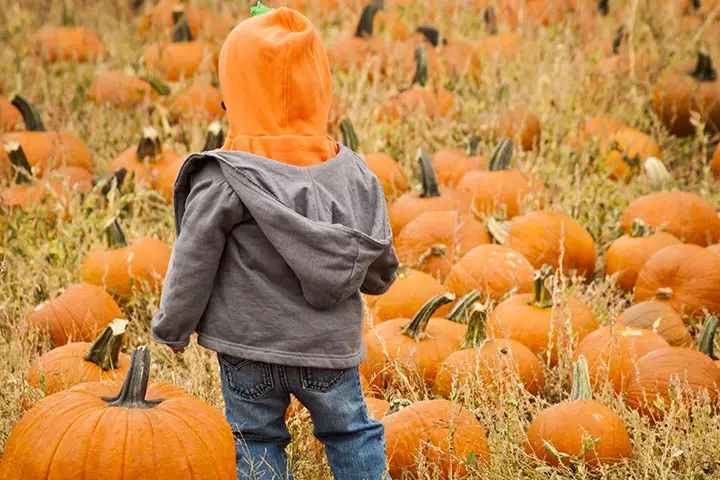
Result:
pixel 115 235
pixel 430 187
pixel 581 388
pixel 618 39
pixel 657 173
pixel 66 19
pixel 696 4
pixel 215 137
pixel 704 69
pixel 706 344
pixel 641 229
pixel 132 394
pixel 665 293
pixel 416 328
pixel 491 21
pixel 499 231
pixel 31 117
pixel 350 138
pixel 501 156
pixel 116 178
pixel 421 66
pixel 150 145
pixel 476 333
pixel 105 351
pixel 367 17
pixel 458 314
pixel 473 144
pixel 23 171
pixel 136 5
pixel 438 250
pixel 542 295
pixel 181 27
pixel 604 7
pixel 431 34
pixel 158 85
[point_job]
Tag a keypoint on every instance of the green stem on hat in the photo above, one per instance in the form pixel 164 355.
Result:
pixel 501 155
pixel 350 138
pixel 367 17
pixel 581 387
pixel 23 171
pixel 181 26
pixel 416 328
pixel 542 295
pixel 31 117
pixel 498 230
pixel 704 69
pixel 105 351
pixel 259 9
pixel 640 229
pixel 215 137
pixel 115 235
pixel 421 66
pixel 476 334
pixel 430 187
pixel 459 312
pixel 706 343
pixel 134 389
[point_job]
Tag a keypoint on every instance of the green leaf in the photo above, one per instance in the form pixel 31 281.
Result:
pixel 471 459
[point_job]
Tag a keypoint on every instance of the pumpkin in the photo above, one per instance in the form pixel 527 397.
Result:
pixel 598 128
pixel 361 49
pixel 659 318
pixel 78 314
pixel 124 89
pixel 579 428
pixel 546 238
pixel 448 436
pixel 685 215
pixel 203 22
pixel 431 198
pixel 377 407
pixel 490 362
pixel 649 388
pixel 535 321
pixel 182 57
pixel 515 124
pixel 126 266
pixel 499 190
pixel 684 90
pixel 144 431
pixel 10 117
pixel 146 160
pixel 459 59
pixel 67 42
pixel 685 277
pixel 494 43
pixel 627 254
pixel 451 164
pixel 79 362
pixel 611 353
pixel 43 149
pixel 434 241
pixel 416 347
pixel 392 178
pixel 626 150
pixel 495 270
pixel 406 296
pixel 200 101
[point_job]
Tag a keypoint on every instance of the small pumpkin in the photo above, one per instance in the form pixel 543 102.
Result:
pixel 686 215
pixel 447 435
pixel 659 318
pixel 579 428
pixel 67 42
pixel 685 277
pixel 491 362
pixel 416 347
pixel 516 124
pixel 406 296
pixel 627 254
pixel 126 265
pixel 78 314
pixel 535 321
pixel 495 44
pixel 80 362
pixel 146 160
pixel 125 89
pixel 203 21
pixel 451 164
pixel 198 102
pixel 182 57
pixel 155 431
pixel 546 238
pixel 361 49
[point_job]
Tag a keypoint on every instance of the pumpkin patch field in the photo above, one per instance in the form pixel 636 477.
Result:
pixel 551 169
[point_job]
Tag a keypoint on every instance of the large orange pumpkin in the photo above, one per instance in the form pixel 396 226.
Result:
pixel 57 44
pixel 145 431
pixel 79 362
pixel 660 318
pixel 361 49
pixel 451 164
pixel 148 159
pixel 123 89
pixel 198 102
pixel 406 296
pixel 515 124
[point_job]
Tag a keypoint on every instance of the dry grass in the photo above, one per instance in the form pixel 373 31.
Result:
pixel 551 77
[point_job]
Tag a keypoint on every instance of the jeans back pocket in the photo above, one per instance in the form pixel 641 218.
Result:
pixel 248 379
pixel 320 379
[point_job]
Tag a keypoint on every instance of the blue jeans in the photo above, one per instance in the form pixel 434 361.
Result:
pixel 257 396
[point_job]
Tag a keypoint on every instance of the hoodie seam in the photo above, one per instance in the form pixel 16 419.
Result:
pixel 351 275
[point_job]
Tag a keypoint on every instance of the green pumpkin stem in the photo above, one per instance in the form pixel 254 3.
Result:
pixel 581 387
pixel 181 27
pixel 23 172
pixel 459 312
pixel 618 39
pixel 349 136
pixel 501 155
pixel 31 117
pixel 430 187
pixel 706 343
pixel 105 351
pixel 110 180
pixel 491 21
pixel 476 333
pixel 215 137
pixel 421 67
pixel 542 295
pixel 66 20
pixel 115 235
pixel 149 146
pixel 604 7
pixel 132 394
pixel 498 230
pixel 473 144
pixel 641 229
pixel 416 328
pixel 160 87
pixel 704 69
pixel 367 18
pixel 431 34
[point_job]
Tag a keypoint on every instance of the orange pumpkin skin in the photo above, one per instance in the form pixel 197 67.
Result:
pixel 633 143
pixel 46 150
pixel 199 101
pixel 146 173
pixel 496 364
pixel 453 435
pixel 55 44
pixel 660 318
pixel 651 378
pixel 598 127
pixel 10 117
pixel 118 88
pixel 569 425
pixel 488 192
pixel 377 407
pixel 684 214
pixel 713 248
pixel 494 270
pixel 405 297
pixel 417 100
pixel 60 182
pixel 119 270
pixel 78 314
pixel 513 123
pixel 452 164
pixel 628 254
pixel 692 275
pixel 392 178
pixel 203 22
pixel 165 182
pixel 611 353
pixel 453 233
pixel 411 205
pixel 176 60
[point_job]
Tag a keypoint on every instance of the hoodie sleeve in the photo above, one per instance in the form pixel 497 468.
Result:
pixel 381 273
pixel 211 211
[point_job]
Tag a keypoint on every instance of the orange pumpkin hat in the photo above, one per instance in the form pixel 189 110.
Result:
pixel 275 82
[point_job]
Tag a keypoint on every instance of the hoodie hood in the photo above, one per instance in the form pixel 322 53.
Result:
pixel 275 82
pixel 328 222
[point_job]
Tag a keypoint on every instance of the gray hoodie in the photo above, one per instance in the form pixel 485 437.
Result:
pixel 270 258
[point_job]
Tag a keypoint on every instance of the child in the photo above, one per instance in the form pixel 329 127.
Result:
pixel 278 233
